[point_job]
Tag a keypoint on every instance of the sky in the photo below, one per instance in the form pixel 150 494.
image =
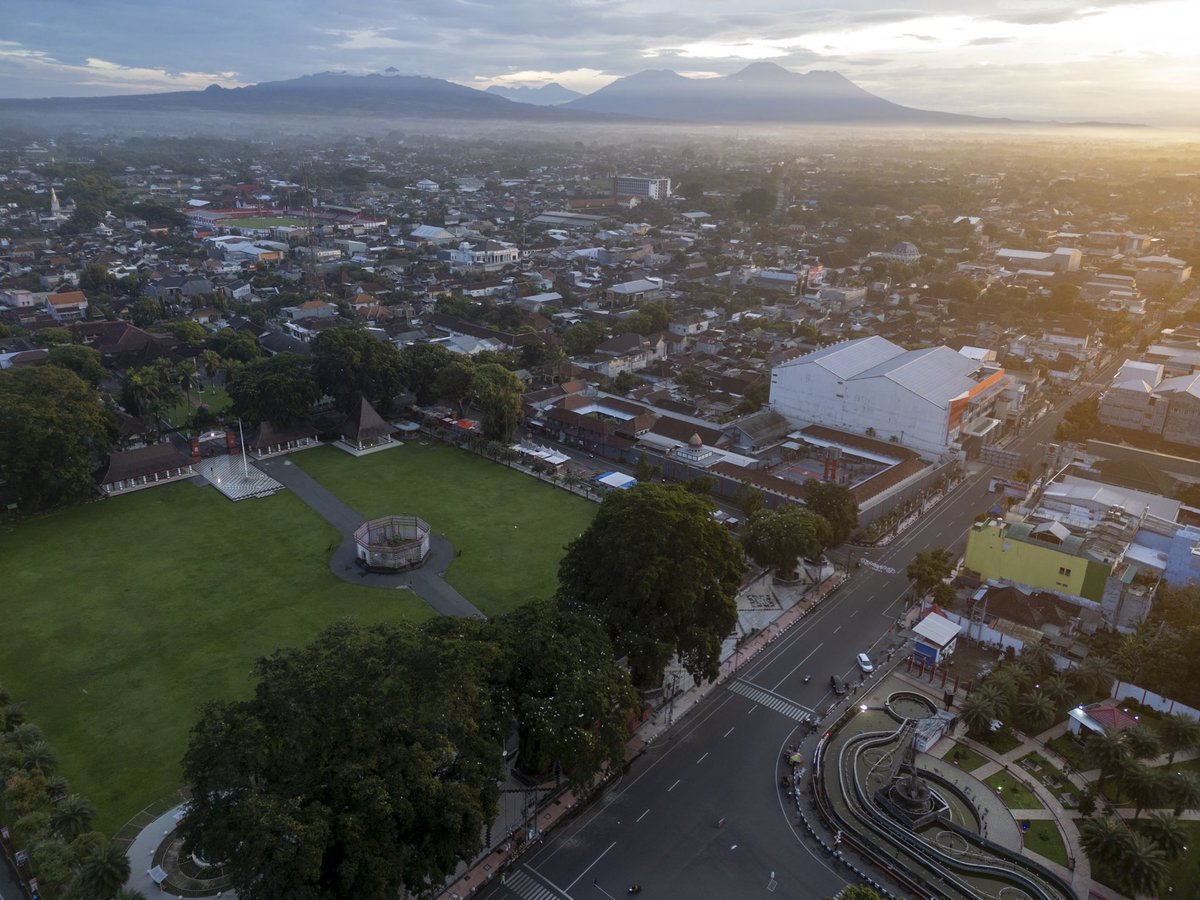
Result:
pixel 1112 60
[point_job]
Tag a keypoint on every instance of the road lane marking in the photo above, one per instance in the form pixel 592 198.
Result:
pixel 672 787
pixel 853 614
pixel 726 734
pixel 526 887
pixel 589 868
pixel 836 630
pixel 799 664
pixel 642 816
pixel 701 759
pixel 771 700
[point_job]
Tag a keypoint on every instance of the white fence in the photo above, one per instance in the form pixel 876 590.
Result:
pixel 1123 690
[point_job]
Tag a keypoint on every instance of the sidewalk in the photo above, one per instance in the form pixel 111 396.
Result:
pixel 734 656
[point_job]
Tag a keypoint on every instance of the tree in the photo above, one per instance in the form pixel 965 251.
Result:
pixel 1167 833
pixel 455 382
pixel 151 390
pixel 1144 786
pixel 145 312
pixel 857 892
pixel 1094 676
pixel 1103 838
pixel 239 346
pixel 212 365
pixel 50 424
pixel 72 816
pixel 757 202
pixel 569 695
pixel 39 757
pixel 1178 732
pixel 1080 421
pixel 1142 742
pixel 836 504
pixel 421 366
pixel 102 872
pixel 280 389
pixel 647 470
pixel 977 713
pixel 928 568
pixel 1035 710
pixel 1058 688
pixel 660 574
pixel 582 338
pixel 83 361
pixel 779 537
pixel 1107 752
pixel 365 765
pixel 497 391
pixel 1141 865
pixel 350 364
pixel 1038 658
pixel 1183 790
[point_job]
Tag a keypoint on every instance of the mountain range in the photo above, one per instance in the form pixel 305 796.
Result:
pixel 761 93
pixel 550 94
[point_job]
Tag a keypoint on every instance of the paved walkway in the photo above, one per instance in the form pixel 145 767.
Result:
pixel 427 581
pixel 141 854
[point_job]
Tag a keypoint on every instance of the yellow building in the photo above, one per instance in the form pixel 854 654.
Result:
pixel 1045 556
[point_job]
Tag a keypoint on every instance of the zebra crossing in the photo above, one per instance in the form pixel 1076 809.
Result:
pixel 527 887
pixel 771 700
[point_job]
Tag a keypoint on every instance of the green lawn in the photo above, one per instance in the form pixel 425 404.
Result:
pixel 510 529
pixel 1044 838
pixel 1065 746
pixel 1014 794
pixel 214 398
pixel 1184 875
pixel 1040 768
pixel 965 758
pixel 1001 741
pixel 121 617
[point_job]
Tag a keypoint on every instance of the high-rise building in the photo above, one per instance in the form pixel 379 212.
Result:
pixel 637 186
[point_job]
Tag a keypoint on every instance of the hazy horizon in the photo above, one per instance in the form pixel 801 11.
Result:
pixel 1109 60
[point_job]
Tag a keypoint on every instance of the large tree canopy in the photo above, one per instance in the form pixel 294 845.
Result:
pixel 836 504
pixel 350 364
pixel 365 765
pixel 568 694
pixel 280 389
pixel 929 568
pixel 661 574
pixel 422 365
pixel 50 422
pixel 779 537
pixel 497 391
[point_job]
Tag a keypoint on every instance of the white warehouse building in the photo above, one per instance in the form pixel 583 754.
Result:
pixel 932 400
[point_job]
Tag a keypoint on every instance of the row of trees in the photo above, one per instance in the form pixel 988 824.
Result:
pixel 49 821
pixel 348 363
pixel 1135 861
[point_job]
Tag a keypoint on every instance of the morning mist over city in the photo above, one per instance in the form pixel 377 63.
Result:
pixel 565 451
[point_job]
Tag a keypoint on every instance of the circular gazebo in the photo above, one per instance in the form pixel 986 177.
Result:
pixel 392 543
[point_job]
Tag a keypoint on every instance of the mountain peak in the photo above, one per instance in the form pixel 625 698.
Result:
pixel 762 70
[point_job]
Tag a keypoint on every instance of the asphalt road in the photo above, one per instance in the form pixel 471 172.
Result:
pixel 657 825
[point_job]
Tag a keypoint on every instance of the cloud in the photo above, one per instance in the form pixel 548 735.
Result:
pixel 987 41
pixel 920 37
pixel 369 39
pixel 576 79
pixel 96 72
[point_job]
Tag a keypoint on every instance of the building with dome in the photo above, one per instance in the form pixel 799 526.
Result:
pixel 903 252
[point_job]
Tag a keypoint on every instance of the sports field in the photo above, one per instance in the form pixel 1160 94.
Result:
pixel 263 222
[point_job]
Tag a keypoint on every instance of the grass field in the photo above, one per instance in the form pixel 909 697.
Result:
pixel 121 617
pixel 1044 838
pixel 1014 794
pixel 263 222
pixel 214 398
pixel 965 758
pixel 511 529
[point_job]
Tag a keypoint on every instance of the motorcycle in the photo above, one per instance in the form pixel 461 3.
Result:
pixel 635 889
pixel 807 679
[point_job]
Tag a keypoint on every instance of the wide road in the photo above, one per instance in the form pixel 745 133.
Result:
pixel 657 825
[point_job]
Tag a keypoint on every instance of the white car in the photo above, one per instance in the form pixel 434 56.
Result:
pixel 864 663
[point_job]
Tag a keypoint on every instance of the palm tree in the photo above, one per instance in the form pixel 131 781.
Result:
pixel 1058 689
pixel 185 377
pixel 1094 675
pixel 1038 658
pixel 1178 732
pixel 1103 837
pixel 25 735
pixel 1142 866
pixel 212 365
pixel 1142 742
pixel 1107 752
pixel 977 712
pixel 1144 786
pixel 1167 833
pixel 40 757
pixel 1183 789
pixel 72 817
pixel 103 871
pixel 1035 710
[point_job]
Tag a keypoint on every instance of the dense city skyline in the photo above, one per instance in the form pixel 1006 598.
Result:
pixel 1127 61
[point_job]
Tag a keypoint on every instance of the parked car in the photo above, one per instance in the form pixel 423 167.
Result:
pixel 864 663
pixel 838 685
